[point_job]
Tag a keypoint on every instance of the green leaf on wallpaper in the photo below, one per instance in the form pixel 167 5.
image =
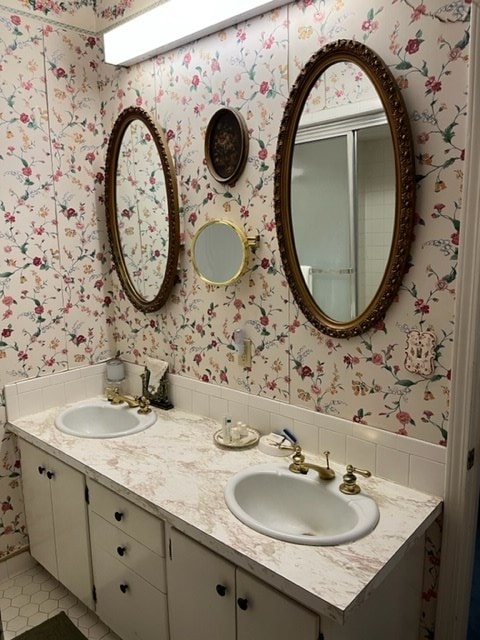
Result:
pixel 404 64
pixel 6 274
pixel 463 42
pixel 370 14
pixel 456 224
pixel 3 344
pixel 436 377
pixel 405 383
pixel 451 276
pixel 448 163
pixel 449 133
pixel 10 101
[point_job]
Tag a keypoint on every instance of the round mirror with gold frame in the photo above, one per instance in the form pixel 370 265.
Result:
pixel 220 252
pixel 142 209
pixel 344 189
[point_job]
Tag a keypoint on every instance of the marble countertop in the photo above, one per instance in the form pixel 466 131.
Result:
pixel 175 471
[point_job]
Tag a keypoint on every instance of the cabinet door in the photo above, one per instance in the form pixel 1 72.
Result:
pixel 38 506
pixel 70 517
pixel 57 519
pixel 265 614
pixel 201 591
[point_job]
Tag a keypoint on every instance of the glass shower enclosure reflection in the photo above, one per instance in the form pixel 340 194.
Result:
pixel 343 204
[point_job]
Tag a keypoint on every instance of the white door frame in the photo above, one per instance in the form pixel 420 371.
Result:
pixel 462 485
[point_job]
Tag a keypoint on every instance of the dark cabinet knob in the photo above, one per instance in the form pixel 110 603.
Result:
pixel 118 516
pixel 41 470
pixel 50 475
pixel 243 603
pixel 121 551
pixel 124 588
pixel 221 589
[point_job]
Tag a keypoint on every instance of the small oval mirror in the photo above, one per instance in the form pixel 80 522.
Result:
pixel 142 209
pixel 344 189
pixel 220 252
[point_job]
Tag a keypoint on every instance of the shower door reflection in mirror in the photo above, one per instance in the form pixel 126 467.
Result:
pixel 343 195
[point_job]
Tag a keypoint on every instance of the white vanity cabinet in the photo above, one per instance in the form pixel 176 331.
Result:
pixel 211 599
pixel 128 557
pixel 57 519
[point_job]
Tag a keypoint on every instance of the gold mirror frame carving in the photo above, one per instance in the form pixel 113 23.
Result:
pixel 392 100
pixel 124 119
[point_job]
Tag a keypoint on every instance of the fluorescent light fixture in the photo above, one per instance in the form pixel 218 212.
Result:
pixel 175 23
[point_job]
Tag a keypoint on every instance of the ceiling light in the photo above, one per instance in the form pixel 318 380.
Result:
pixel 175 23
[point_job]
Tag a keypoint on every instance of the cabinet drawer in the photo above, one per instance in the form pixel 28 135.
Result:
pixel 139 612
pixel 134 555
pixel 126 516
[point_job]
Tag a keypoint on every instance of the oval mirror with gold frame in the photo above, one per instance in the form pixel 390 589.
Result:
pixel 220 252
pixel 344 176
pixel 141 203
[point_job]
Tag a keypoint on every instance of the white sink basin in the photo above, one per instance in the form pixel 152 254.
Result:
pixel 299 508
pixel 100 419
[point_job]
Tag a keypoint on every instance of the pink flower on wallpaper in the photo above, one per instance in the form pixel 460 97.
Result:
pixel 370 25
pixel 403 417
pixel 413 45
pixel 264 87
pixel 433 85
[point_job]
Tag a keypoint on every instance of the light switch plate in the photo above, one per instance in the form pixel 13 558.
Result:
pixel 420 352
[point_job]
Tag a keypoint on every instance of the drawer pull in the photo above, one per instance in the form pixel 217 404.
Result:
pixel 121 551
pixel 243 603
pixel 124 588
pixel 41 470
pixel 50 475
pixel 221 589
pixel 118 515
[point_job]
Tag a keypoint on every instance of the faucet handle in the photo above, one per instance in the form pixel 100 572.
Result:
pixel 144 405
pixel 349 484
pixel 112 392
pixel 298 460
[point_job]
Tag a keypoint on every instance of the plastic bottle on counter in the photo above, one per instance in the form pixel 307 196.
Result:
pixel 227 430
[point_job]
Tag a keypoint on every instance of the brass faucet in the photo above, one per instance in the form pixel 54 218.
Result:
pixel 299 465
pixel 349 484
pixel 115 397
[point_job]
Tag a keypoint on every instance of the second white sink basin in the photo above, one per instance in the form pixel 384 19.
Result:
pixel 100 419
pixel 299 508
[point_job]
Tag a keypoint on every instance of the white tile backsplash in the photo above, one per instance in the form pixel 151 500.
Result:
pixel 427 476
pixel 409 462
pixel 361 454
pixel 393 464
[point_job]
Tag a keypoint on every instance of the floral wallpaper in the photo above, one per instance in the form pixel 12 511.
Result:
pixel 251 68
pixel 61 304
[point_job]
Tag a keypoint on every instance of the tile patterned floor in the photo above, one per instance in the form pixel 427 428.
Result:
pixel 31 597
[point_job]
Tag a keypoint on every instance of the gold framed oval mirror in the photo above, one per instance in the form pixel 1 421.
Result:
pixel 141 203
pixel 220 252
pixel 344 189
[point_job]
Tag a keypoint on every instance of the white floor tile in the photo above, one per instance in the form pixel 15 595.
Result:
pixel 33 596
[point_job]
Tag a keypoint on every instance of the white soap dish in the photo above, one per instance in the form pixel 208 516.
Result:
pixel 250 439
pixel 270 444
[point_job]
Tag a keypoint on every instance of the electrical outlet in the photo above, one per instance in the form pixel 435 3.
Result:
pixel 245 358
